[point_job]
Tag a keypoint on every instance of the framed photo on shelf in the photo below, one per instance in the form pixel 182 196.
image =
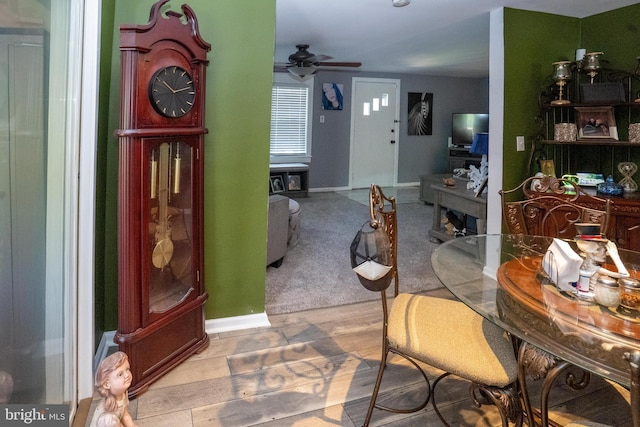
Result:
pixel 596 123
pixel 548 168
pixel 277 184
pixel 294 183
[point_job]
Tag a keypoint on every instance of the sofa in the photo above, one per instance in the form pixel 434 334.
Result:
pixel 283 228
pixel 278 229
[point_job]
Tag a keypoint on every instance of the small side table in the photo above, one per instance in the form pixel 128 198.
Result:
pixel 458 199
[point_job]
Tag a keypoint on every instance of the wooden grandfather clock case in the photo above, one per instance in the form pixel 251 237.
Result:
pixel 161 292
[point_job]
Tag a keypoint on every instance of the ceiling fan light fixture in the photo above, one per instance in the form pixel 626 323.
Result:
pixel 400 3
pixel 303 73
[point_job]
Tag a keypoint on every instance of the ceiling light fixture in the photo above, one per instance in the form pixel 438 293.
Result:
pixel 303 73
pixel 400 3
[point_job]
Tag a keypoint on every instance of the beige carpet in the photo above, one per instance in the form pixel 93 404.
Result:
pixel 317 272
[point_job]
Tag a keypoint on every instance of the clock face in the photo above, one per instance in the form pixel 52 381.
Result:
pixel 171 91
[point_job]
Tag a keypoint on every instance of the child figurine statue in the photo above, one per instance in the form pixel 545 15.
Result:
pixel 6 387
pixel 112 382
pixel 108 419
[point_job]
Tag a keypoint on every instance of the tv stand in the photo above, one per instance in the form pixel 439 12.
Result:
pixel 459 157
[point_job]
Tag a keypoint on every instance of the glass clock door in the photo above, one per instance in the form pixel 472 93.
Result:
pixel 170 234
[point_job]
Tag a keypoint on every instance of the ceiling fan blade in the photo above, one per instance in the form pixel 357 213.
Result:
pixel 340 64
pixel 319 58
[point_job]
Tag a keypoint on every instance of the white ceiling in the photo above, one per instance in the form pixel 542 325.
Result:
pixel 429 37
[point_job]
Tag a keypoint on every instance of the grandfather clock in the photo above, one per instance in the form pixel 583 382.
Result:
pixel 160 190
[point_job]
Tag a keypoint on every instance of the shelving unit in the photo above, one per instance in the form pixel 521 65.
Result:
pixel 599 155
pixel 459 157
pixel 289 179
pixel 596 155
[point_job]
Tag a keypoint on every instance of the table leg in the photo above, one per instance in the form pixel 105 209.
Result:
pixel 542 365
pixel 437 216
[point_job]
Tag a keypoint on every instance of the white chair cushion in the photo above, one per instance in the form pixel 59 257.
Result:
pixel 450 336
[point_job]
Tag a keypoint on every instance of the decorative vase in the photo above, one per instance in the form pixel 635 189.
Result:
pixel 610 187
pixel 565 132
pixel 634 132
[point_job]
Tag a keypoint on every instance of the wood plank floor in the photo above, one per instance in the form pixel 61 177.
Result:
pixel 317 368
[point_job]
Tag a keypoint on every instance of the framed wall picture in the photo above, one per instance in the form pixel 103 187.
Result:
pixel 420 116
pixel 277 184
pixel 332 96
pixel 596 122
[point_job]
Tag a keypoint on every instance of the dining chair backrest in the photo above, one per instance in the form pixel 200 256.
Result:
pixel 549 206
pixel 383 213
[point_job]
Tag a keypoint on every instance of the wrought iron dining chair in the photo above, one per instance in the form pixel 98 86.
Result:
pixel 382 210
pixel 549 206
pixel 448 335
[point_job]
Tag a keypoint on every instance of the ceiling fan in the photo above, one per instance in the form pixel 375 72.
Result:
pixel 304 64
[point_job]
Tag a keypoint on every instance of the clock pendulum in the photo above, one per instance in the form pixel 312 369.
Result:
pixel 163 250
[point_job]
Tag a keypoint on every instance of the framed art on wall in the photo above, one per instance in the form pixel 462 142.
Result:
pixel 332 96
pixel 419 116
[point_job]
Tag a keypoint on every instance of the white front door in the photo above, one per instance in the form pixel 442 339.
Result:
pixel 374 132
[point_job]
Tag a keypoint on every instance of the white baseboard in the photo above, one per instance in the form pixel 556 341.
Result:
pixel 212 326
pixel 408 184
pixel 236 323
pixel 328 189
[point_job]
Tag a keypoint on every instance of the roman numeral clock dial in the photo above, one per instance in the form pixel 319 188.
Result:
pixel 171 91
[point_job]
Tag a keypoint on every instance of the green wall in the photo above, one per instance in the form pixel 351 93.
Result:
pixel 238 107
pixel 105 298
pixel 533 41
pixel 617 34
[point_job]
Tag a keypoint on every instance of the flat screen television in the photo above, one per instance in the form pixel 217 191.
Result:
pixel 465 125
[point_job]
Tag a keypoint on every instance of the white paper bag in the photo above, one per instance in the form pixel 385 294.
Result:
pixel 562 265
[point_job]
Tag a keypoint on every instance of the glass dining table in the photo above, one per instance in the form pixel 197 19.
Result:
pixel 502 278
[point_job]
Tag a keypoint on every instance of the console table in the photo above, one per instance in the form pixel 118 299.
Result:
pixel 458 199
